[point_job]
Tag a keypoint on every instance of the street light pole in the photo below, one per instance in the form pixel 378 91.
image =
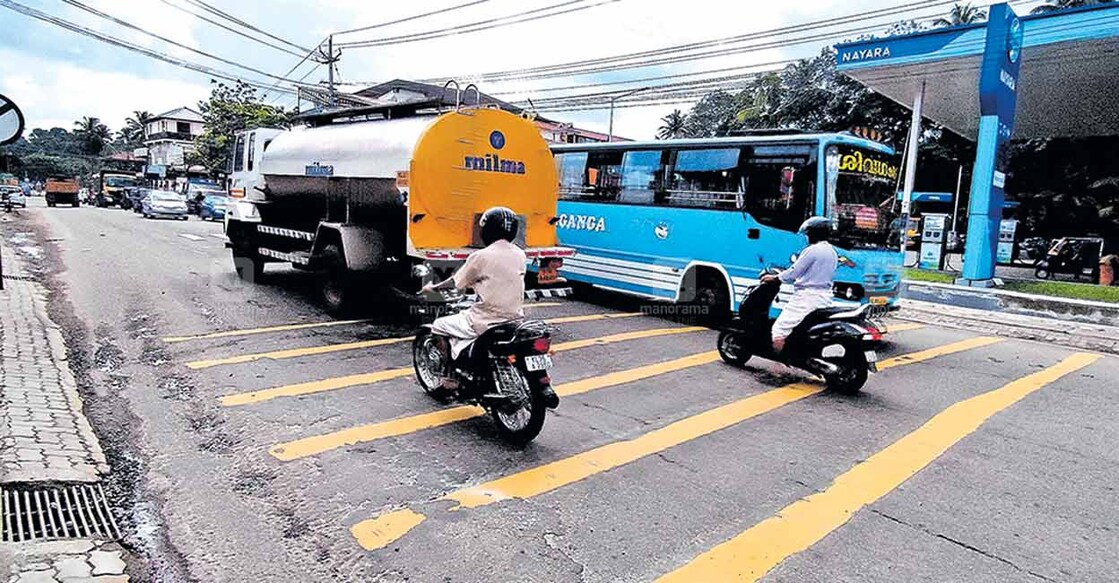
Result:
pixel 610 132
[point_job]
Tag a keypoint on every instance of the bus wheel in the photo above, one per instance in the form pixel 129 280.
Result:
pixel 710 304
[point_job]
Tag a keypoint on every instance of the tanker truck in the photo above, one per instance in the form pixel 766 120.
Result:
pixel 390 202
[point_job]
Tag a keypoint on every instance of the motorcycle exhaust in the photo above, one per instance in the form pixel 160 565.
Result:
pixel 823 366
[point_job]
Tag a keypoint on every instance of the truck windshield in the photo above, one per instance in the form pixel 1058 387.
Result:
pixel 119 181
pixel 862 194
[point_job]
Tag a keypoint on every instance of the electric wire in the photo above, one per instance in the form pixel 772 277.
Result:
pixel 230 28
pixel 413 17
pixel 521 17
pixel 222 14
pixel 63 23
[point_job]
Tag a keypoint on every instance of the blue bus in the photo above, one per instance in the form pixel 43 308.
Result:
pixel 696 221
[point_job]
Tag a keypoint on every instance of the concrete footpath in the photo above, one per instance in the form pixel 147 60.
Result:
pixel 1095 337
pixel 45 440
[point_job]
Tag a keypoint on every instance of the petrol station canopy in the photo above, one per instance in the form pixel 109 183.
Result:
pixel 1069 83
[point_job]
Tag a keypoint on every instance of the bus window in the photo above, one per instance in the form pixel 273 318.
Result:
pixel 863 197
pixel 572 169
pixel 604 172
pixel 239 153
pixel 781 185
pixel 707 179
pixel 641 171
pixel 252 152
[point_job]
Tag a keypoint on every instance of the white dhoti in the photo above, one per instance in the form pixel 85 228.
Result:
pixel 802 303
pixel 459 329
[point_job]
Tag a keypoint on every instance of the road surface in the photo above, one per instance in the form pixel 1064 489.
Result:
pixel 252 438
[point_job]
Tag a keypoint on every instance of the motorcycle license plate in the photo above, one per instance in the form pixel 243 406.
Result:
pixel 538 362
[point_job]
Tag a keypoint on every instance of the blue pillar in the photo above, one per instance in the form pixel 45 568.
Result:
pixel 998 93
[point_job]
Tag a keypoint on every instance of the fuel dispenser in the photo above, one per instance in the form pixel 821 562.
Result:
pixel 1008 231
pixel 933 241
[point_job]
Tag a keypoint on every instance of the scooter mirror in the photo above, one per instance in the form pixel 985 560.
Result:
pixel 793 258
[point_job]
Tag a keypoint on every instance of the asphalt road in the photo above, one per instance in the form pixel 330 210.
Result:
pixel 242 454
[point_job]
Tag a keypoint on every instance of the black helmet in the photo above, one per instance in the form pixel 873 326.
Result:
pixel 498 223
pixel 816 229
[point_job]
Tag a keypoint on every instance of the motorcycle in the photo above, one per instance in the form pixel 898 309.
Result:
pixel 505 371
pixel 836 343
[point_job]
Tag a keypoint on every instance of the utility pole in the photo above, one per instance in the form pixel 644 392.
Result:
pixel 329 58
pixel 610 133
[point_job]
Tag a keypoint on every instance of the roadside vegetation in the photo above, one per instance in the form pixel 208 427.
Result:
pixel 1056 289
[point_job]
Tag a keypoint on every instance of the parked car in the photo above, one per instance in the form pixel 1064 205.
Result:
pixel 164 203
pixel 136 198
pixel 13 196
pixel 213 207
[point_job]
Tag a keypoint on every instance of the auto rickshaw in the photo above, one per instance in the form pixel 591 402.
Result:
pixel 1076 256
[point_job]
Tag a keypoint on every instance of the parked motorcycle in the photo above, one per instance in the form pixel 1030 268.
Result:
pixel 835 343
pixel 504 371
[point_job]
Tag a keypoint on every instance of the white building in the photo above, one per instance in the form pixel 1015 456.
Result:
pixel 170 136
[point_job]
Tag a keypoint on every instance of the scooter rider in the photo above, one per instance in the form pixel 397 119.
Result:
pixel 812 275
pixel 497 274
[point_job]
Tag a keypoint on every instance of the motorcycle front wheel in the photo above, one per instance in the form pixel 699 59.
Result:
pixel 427 360
pixel 519 421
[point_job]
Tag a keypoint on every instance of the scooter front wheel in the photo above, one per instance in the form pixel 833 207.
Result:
pixel 732 348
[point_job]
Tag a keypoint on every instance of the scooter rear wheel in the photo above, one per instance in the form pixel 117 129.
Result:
pixel 732 348
pixel 853 371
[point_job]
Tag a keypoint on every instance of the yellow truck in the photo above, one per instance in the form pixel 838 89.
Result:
pixel 389 200
pixel 61 191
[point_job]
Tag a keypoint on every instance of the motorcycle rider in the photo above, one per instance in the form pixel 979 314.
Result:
pixel 812 276
pixel 497 274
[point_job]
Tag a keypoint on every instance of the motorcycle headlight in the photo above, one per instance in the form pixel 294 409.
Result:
pixel 421 270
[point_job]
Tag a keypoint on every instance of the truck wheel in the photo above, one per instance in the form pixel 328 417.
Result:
pixel 249 268
pixel 336 288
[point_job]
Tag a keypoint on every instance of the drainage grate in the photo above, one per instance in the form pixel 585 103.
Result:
pixel 55 512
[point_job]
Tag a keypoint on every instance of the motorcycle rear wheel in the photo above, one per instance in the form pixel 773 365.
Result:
pixel 732 349
pixel 520 426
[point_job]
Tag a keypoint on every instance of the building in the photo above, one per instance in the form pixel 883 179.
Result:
pixel 169 136
pixel 400 91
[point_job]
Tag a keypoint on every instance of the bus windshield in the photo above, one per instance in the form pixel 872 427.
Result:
pixel 862 193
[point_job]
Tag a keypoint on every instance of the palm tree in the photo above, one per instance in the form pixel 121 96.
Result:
pixel 1054 5
pixel 672 126
pixel 962 13
pixel 93 134
pixel 134 127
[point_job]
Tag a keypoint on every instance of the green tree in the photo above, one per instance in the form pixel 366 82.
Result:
pixel 93 135
pixel 231 109
pixel 962 13
pixel 672 126
pixel 134 128
pixel 1054 5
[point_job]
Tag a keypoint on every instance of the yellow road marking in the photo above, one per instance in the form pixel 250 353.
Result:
pixel 251 331
pixel 548 477
pixel 591 318
pixel 310 388
pixel 370 535
pixel 295 352
pixel 318 444
pixel 795 528
pixel 915 357
pixel 903 327
pixel 335 383
pixel 331 348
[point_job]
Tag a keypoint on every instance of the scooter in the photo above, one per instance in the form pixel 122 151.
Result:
pixel 505 371
pixel 835 343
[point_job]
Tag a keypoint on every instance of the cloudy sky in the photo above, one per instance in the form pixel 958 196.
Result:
pixel 57 75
